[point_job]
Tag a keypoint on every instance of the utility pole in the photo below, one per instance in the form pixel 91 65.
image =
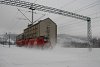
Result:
pixel 3 41
pixel 89 33
pixel 32 11
pixel 6 37
pixel 32 16
pixel 9 39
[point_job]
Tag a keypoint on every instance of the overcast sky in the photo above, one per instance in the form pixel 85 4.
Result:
pixel 10 22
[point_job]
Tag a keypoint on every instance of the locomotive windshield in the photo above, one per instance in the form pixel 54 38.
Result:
pixel 46 38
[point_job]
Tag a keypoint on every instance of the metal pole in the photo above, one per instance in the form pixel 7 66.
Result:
pixel 32 16
pixel 32 11
pixel 9 40
pixel 89 33
pixel 3 40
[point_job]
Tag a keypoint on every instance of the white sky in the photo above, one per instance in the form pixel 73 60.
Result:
pixel 9 15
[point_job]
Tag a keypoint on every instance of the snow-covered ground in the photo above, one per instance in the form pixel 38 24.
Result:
pixel 57 57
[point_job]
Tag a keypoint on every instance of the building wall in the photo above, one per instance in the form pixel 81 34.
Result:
pixel 49 28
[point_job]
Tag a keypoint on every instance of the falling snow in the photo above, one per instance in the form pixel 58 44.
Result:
pixel 56 57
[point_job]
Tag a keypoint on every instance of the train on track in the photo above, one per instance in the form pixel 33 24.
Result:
pixel 41 34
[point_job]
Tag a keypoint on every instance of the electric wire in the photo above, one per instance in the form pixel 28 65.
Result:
pixel 96 17
pixel 24 15
pixel 87 15
pixel 91 24
pixel 82 21
pixel 69 3
pixel 90 5
pixel 65 5
pixel 80 28
pixel 87 6
pixel 35 1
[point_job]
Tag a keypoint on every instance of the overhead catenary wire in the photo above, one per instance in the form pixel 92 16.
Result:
pixel 96 17
pixel 93 23
pixel 28 11
pixel 81 28
pixel 82 21
pixel 24 15
pixel 72 27
pixel 65 5
pixel 88 6
pixel 91 5
pixel 35 1
pixel 75 22
pixel 69 3
pixel 74 31
pixel 34 13
pixel 87 15
pixel 95 3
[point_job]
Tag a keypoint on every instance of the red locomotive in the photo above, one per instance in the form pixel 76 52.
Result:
pixel 39 41
pixel 41 34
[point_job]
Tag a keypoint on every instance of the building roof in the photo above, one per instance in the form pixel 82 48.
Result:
pixel 47 19
pixel 39 22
